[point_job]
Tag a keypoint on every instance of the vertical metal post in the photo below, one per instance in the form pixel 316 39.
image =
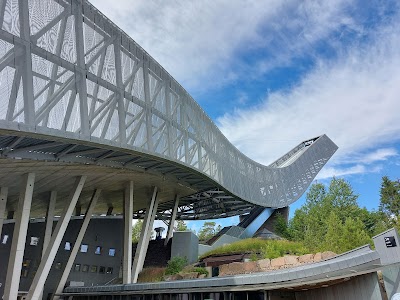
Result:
pixel 148 104
pixel 27 76
pixel 81 68
pixel 78 241
pixel 51 251
pixel 19 237
pixel 172 221
pixel 127 252
pixel 141 248
pixel 3 205
pixel 119 94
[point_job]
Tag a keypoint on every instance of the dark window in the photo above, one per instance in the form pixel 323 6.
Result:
pixel 102 270
pixel 109 270
pixel 85 268
pixel 98 250
pixel 77 267
pixel 111 252
pixel 24 273
pixel 93 269
pixel 58 265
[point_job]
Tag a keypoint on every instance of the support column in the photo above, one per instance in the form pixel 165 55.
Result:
pixel 19 237
pixel 141 249
pixel 78 241
pixel 49 221
pixel 172 221
pixel 51 251
pixel 127 252
pixel 49 224
pixel 3 204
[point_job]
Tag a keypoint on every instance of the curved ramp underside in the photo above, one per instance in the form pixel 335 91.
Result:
pixel 74 88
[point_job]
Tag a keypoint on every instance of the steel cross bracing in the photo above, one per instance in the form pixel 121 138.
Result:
pixel 68 75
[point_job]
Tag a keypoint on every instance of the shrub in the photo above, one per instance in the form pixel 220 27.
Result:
pixel 253 246
pixel 175 265
pixel 153 274
pixel 200 270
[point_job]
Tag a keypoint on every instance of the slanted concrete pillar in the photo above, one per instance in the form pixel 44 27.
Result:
pixel 49 220
pixel 127 252
pixel 51 251
pixel 141 249
pixel 172 221
pixel 49 224
pixel 19 237
pixel 77 244
pixel 3 203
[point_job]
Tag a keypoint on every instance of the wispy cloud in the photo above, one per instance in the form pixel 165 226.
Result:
pixel 206 44
pixel 353 99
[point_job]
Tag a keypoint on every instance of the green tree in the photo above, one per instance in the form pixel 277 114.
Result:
pixel 333 234
pixel 281 226
pixel 353 235
pixel 181 226
pixel 390 198
pixel 322 219
pixel 136 229
pixel 208 230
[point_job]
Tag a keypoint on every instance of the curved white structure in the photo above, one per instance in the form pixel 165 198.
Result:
pixel 75 88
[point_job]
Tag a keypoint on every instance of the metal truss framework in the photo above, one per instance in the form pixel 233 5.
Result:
pixel 69 77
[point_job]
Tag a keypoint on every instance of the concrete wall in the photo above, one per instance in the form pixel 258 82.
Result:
pixel 185 244
pixel 103 232
pixel 389 255
pixel 365 287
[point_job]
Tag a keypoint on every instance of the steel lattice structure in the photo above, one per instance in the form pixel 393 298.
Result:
pixel 75 88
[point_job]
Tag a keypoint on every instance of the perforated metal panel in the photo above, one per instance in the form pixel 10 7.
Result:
pixel 66 71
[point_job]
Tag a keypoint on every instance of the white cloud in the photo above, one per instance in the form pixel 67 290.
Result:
pixel 353 99
pixel 200 42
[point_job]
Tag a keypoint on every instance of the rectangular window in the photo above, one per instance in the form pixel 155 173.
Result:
pixel 102 270
pixel 67 246
pixel 85 268
pixel 109 270
pixel 111 252
pixel 98 250
pixel 84 248
pixel 34 241
pixel 24 273
pixel 77 267
pixel 5 238
pixel 93 269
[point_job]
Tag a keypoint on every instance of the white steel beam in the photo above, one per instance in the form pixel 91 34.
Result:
pixel 78 241
pixel 19 237
pixel 26 66
pixel 3 204
pixel 50 254
pixel 127 252
pixel 80 75
pixel 141 248
pixel 172 221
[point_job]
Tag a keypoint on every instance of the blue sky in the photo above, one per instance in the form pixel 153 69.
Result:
pixel 274 73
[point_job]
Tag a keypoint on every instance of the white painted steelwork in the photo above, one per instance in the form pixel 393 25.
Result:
pixel 70 77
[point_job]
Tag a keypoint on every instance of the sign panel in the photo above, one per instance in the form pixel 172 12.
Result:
pixel 390 241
